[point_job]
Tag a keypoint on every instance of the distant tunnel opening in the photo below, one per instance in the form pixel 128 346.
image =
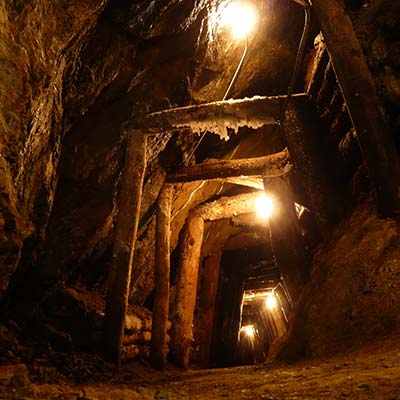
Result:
pixel 244 325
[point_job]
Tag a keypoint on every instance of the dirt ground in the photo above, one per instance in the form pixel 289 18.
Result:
pixel 372 372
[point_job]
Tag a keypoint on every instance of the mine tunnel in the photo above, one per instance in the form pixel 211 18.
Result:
pixel 200 199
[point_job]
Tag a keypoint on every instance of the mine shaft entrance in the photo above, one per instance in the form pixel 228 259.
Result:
pixel 251 307
pixel 269 175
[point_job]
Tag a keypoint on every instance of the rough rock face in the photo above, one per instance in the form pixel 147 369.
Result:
pixel 39 40
pixel 353 292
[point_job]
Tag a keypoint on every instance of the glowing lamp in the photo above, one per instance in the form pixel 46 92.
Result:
pixel 249 330
pixel 240 18
pixel 264 206
pixel 271 302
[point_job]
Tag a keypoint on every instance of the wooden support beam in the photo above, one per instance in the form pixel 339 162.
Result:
pixel 272 165
pixel 182 328
pixel 302 129
pixel 227 207
pixel 158 350
pixel 142 337
pixel 358 88
pixel 186 290
pixel 286 242
pixel 124 245
pixel 214 117
pixel 207 298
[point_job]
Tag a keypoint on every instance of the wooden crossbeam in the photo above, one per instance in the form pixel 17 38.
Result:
pixel 252 112
pixel 272 165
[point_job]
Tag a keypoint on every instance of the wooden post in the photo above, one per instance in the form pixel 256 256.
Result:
pixel 186 290
pixel 286 242
pixel 124 245
pixel 302 130
pixel 158 351
pixel 228 312
pixel 208 295
pixel 358 88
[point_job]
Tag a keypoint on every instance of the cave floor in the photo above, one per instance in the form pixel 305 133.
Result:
pixel 372 372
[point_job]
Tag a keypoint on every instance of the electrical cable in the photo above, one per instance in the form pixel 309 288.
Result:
pixel 235 75
pixel 299 56
pixel 233 80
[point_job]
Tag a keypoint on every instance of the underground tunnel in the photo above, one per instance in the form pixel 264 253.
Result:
pixel 200 199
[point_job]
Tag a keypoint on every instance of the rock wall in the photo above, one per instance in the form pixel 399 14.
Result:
pixel 39 40
pixel 353 292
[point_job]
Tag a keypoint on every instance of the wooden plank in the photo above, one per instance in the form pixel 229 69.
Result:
pixel 227 207
pixel 215 117
pixel 124 245
pixel 302 129
pixel 273 165
pixel 158 350
pixel 358 88
pixel 286 242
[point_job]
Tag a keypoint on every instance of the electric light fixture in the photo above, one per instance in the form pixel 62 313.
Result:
pixel 240 18
pixel 264 206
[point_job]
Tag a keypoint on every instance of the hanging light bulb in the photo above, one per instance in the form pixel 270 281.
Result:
pixel 240 18
pixel 264 206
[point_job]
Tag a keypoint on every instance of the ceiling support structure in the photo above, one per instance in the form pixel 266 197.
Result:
pixel 252 112
pixel 302 132
pixel 286 242
pixel 124 245
pixel 358 88
pixel 273 165
pixel 216 117
pixel 158 349
pixel 186 290
pixel 188 269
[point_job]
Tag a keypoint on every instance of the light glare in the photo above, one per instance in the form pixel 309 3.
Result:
pixel 264 206
pixel 240 18
pixel 248 330
pixel 271 302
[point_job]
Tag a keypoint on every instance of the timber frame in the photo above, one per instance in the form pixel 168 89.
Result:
pixel 374 136
pixel 253 112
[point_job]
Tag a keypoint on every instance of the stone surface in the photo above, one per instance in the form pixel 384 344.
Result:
pixel 373 373
pixel 14 382
pixel 353 292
